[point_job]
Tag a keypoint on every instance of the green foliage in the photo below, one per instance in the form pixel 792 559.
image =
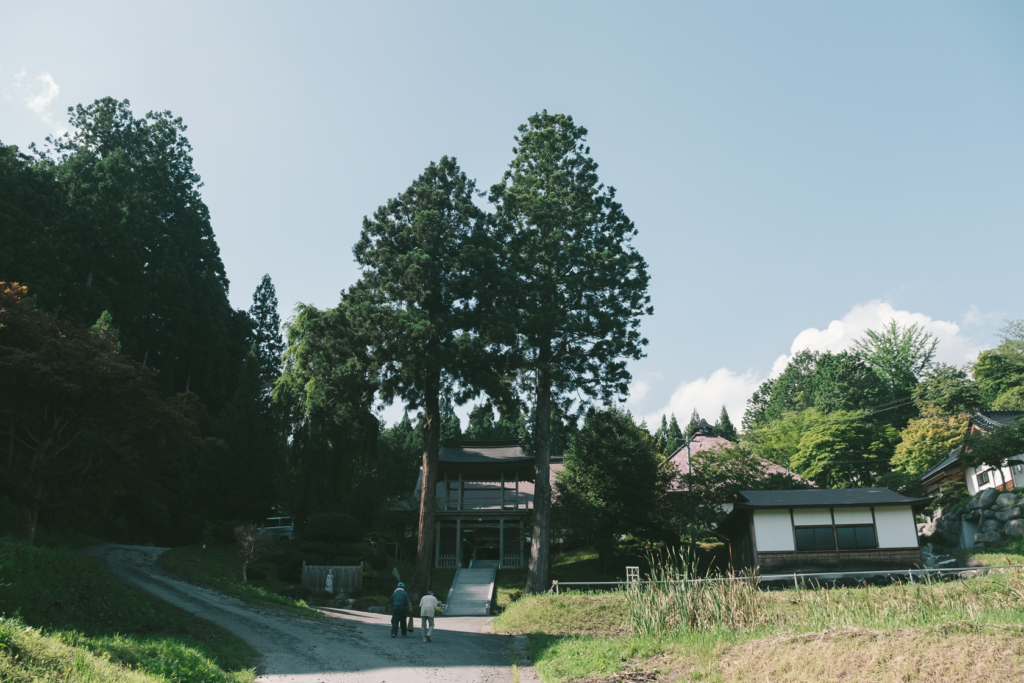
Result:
pixel 824 381
pixel 901 482
pixel 999 372
pixel 12 519
pixel 401 454
pixel 266 330
pixel 693 424
pixel 326 394
pixel 779 440
pixel 927 440
pixel 900 355
pixel 569 290
pixel 845 448
pixel 611 483
pixel 1001 447
pixel 104 616
pixel 951 495
pixel 716 476
pixel 1011 399
pixel 106 330
pixel 83 424
pixel 332 527
pixel 724 427
pixel 948 389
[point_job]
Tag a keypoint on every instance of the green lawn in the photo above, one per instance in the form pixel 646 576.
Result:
pixel 68 619
pixel 936 632
pixel 220 567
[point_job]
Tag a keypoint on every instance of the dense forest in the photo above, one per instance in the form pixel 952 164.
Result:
pixel 135 402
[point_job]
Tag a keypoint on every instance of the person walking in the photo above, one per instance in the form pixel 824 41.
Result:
pixel 399 603
pixel 428 606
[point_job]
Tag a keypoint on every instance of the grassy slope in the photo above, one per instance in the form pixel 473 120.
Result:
pixel 221 568
pixel 87 626
pixel 888 634
pixel 575 565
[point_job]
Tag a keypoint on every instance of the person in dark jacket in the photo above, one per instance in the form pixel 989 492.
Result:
pixel 399 604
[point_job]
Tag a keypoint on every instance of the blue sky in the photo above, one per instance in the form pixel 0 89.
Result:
pixel 798 171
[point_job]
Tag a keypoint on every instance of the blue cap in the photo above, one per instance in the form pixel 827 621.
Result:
pixel 401 585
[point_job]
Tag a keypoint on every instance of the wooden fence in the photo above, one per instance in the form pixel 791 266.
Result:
pixel 345 578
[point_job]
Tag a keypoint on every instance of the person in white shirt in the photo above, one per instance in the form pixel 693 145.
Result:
pixel 428 605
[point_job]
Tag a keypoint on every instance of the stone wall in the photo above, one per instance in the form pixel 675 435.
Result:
pixel 999 517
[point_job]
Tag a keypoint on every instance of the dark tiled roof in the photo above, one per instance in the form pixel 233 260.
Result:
pixel 951 459
pixel 809 498
pixel 483 452
pixel 994 419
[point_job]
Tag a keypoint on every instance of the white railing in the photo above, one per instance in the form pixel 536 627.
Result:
pixel 446 560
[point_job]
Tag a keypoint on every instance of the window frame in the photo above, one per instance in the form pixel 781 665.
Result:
pixel 835 534
pixel 978 478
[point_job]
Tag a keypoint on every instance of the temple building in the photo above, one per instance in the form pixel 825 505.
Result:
pixel 484 494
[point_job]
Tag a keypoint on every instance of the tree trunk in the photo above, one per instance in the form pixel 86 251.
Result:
pixel 428 494
pixel 537 579
pixel 245 578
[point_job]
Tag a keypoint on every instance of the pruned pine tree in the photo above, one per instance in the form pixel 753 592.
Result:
pixel 422 257
pixel 570 290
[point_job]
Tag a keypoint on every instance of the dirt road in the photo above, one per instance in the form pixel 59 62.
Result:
pixel 347 647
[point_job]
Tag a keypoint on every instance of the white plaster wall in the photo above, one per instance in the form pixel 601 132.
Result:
pixel 853 515
pixel 773 530
pixel 812 517
pixel 895 527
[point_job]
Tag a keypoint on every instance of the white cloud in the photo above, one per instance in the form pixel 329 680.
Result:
pixel 38 94
pixel 726 387
pixel 708 395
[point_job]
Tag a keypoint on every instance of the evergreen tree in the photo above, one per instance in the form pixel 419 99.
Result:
pixel 401 452
pixel 423 265
pixel 691 427
pixel 570 291
pixel 724 427
pixel 661 435
pixel 674 435
pixel 266 330
pixel 451 425
pixel 106 330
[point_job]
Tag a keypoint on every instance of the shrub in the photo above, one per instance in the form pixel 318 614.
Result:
pixel 321 548
pixel 342 561
pixel 378 562
pixel 332 527
pixel 353 549
pixel 221 533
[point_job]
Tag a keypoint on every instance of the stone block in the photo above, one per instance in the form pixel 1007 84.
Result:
pixel 1015 528
pixel 986 537
pixel 1007 500
pixel 1008 514
pixel 984 499
pixel 990 525
pixel 988 514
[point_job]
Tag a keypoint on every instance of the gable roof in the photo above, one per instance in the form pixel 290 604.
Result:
pixel 809 498
pixel 680 458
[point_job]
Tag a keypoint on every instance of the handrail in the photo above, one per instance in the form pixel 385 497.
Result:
pixel 959 571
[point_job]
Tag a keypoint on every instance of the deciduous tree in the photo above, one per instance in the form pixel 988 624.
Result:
pixel 927 440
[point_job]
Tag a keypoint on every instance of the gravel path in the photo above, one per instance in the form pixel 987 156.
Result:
pixel 348 647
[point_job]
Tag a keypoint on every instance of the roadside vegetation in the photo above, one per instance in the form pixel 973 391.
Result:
pixel 66 618
pixel 734 631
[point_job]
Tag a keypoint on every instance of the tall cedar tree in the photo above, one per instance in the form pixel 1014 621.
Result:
pixel 724 427
pixel 421 258
pixel 573 287
pixel 266 333
pixel 674 435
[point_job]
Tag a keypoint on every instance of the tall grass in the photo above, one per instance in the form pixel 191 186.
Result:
pixel 674 601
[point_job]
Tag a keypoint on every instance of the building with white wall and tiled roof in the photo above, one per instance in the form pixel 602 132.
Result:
pixel 952 469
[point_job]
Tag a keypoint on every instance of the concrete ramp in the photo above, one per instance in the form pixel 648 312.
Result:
pixel 471 593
